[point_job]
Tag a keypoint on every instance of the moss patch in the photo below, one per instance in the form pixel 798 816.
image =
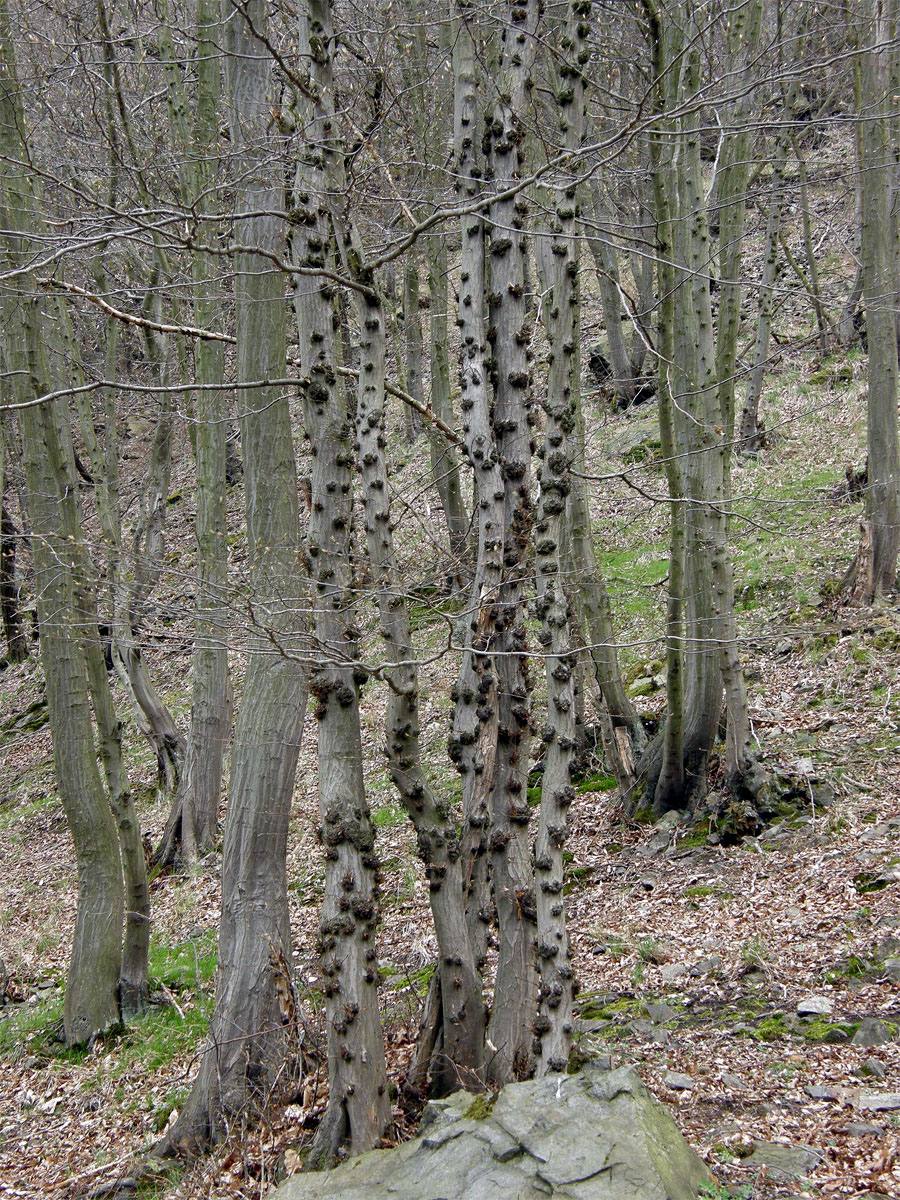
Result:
pixel 481 1107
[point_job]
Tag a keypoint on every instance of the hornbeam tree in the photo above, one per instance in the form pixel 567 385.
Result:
pixel 253 1031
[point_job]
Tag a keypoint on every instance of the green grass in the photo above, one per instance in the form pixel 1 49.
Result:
pixel 388 816
pixel 186 965
pixel 33 1030
pixel 154 1039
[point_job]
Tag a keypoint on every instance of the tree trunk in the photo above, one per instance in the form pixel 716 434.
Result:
pixel 91 1002
pixel 697 413
pixel 603 250
pixel 193 822
pixel 515 990
pixel 412 328
pixel 16 642
pixel 555 1000
pixel 473 742
pixel 876 168
pixel 750 436
pixel 253 1033
pixel 444 461
pixel 358 1105
pixel 461 1008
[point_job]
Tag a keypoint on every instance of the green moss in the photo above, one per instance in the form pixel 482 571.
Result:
pixel 481 1107
pixel 770 1029
pixel 866 882
pixel 827 1031
pixel 699 890
pixel 853 967
pixel 598 783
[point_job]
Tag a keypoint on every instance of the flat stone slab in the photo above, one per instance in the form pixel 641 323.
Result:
pixel 879 1101
pixel 597 1135
pixel 785 1162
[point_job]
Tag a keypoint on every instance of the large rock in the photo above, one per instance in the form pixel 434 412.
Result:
pixel 597 1135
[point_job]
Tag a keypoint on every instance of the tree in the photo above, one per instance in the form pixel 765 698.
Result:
pixel 253 1029
pixel 874 571
pixel 696 387
pixel 103 984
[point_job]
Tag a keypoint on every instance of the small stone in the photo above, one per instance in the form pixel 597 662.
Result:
pixel 888 947
pixel 660 1012
pixel 891 969
pixel 656 845
pixel 641 1027
pixel 823 794
pixel 660 1035
pixel 872 1032
pixel 816 1091
pixel 815 1006
pixel 677 1082
pixel 872 1068
pixel 672 971
pixel 860 1129
pixel 706 966
pixel 734 1082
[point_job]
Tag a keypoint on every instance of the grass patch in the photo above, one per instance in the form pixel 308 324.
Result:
pixel 699 890
pixel 186 965
pixel 388 816
pixel 36 1030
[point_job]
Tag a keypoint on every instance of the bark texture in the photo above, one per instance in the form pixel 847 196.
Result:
pixel 251 1051
pixel 515 990
pixel 358 1106
pixel 875 571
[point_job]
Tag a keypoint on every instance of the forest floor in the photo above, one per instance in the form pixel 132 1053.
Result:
pixel 753 983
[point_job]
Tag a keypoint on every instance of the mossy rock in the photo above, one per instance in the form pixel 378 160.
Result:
pixel 481 1107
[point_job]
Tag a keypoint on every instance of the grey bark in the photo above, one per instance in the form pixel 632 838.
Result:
pixel 473 742
pixel 92 998
pixel 697 417
pixel 874 573
pixel 444 459
pixel 251 1050
pixel 456 1059
pixel 13 629
pixel 412 328
pixel 515 990
pixel 749 435
pixel 193 821
pixel 554 1022
pixel 358 1106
